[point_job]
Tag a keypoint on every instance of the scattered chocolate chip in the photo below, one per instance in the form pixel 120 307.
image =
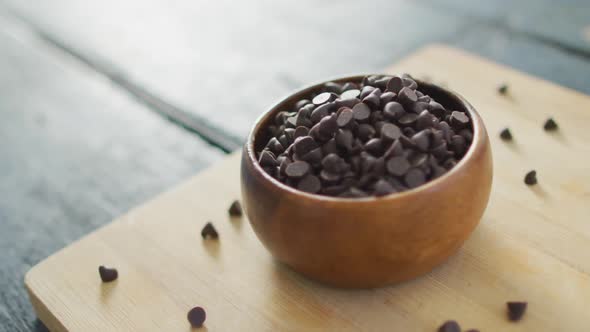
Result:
pixel 516 310
pixel 107 274
pixel 550 125
pixel 506 135
pixel 503 89
pixel 530 178
pixel 196 316
pixel 450 326
pixel 235 209
pixel 209 231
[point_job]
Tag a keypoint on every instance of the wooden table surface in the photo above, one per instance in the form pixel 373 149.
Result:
pixel 106 103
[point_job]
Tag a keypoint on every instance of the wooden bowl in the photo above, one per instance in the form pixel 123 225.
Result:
pixel 368 242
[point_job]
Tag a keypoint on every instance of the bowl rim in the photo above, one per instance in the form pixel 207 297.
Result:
pixel 478 142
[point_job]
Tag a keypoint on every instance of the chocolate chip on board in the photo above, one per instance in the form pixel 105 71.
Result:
pixel 506 135
pixel 530 178
pixel 107 274
pixel 209 232
pixel 550 125
pixel 450 326
pixel 235 209
pixel 196 317
pixel 516 310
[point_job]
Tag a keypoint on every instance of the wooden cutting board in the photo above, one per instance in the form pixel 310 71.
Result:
pixel 533 243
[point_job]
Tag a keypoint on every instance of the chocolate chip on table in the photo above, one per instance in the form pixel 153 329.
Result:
pixel 503 89
pixel 196 317
pixel 530 178
pixel 506 135
pixel 516 310
pixel 450 326
pixel 235 209
pixel 107 274
pixel 550 125
pixel 352 140
pixel 209 231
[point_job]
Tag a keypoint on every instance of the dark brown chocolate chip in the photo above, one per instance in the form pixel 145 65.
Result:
pixel 386 97
pixel 506 135
pixel 330 147
pixel 333 87
pixel 297 169
pixel 345 139
pixel 361 112
pixel 408 119
pixel 350 94
pixel 320 112
pixel 419 159
pixel 107 274
pixel 303 145
pixel 235 209
pixel 397 166
pixel 275 146
pixel 310 183
pixel 449 163
pixel 550 125
pixel 437 109
pixel 395 84
pixel 365 132
pixel 530 178
pixel 408 132
pixel 421 140
pixel 267 159
pixel 301 103
pixel 407 96
pixel 314 156
pixel 323 98
pixel 329 177
pixel 328 126
pixel 374 146
pixel 414 177
pixel 344 118
pixel 383 188
pixel 503 89
pixel 395 149
pixel 440 152
pixel 354 192
pixel 516 310
pixel 209 231
pixel 459 119
pixel 450 326
pixel 393 110
pixel 300 132
pixel 390 132
pixel 425 120
pixel 373 100
pixel 467 134
pixel 349 86
pixel 290 135
pixel 196 317
pixel 365 91
pixel 458 145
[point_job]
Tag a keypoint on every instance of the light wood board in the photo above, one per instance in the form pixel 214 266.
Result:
pixel 533 243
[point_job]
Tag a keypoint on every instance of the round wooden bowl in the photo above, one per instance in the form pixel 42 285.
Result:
pixel 368 242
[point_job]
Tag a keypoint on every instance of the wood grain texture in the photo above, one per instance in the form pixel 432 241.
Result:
pixel 75 153
pixel 532 243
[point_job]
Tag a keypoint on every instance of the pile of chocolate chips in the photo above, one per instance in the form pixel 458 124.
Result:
pixel 370 139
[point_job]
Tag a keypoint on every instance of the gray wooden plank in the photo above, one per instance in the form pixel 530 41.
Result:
pixel 526 55
pixel 75 153
pixel 229 60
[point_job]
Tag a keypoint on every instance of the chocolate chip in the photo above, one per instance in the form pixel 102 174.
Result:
pixel 350 94
pixel 328 126
pixel 329 177
pixel 330 147
pixel 467 134
pixel 310 183
pixel 300 132
pixel 419 107
pixel 365 132
pixel 344 138
pixel 303 145
pixel 408 119
pixel 107 274
pixel 373 99
pixel 235 209
pixel 393 110
pixel 503 89
pixel 323 98
pixel 301 103
pixel 506 135
pixel 366 91
pixel 361 112
pixel 407 96
pixel 436 109
pixel 349 86
pixel 333 87
pixel 530 178
pixel 418 159
pixel 459 119
pixel 196 317
pixel 425 120
pixel 383 188
pixel 458 145
pixel 397 166
pixel 275 146
pixel 395 84
pixel 550 125
pixel 450 326
pixel 297 169
pixel 386 97
pixel 320 112
pixel 414 177
pixel 354 192
pixel 314 156
pixel 421 140
pixel 395 149
pixel 267 159
pixel 408 132
pixel 390 132
pixel 209 231
pixel 374 146
pixel 516 310
pixel 344 118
